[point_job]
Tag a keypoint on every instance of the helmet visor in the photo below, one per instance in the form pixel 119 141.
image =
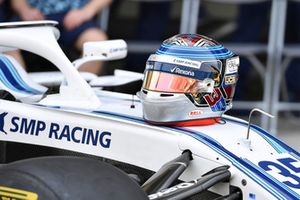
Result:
pixel 166 82
pixel 177 75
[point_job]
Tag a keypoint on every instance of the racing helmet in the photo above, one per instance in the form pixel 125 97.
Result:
pixel 190 80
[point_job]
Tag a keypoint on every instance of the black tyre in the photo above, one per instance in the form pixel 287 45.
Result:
pixel 69 178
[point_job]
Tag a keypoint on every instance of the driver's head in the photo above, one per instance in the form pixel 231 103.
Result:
pixel 189 81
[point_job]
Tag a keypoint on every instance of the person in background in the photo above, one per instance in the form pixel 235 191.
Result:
pixel 151 26
pixel 4 17
pixel 77 23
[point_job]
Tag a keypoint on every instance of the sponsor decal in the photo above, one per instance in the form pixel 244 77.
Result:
pixel 177 70
pixel 216 100
pixel 285 169
pixel 174 60
pixel 187 63
pixel 232 65
pixel 149 66
pixel 162 193
pixel 195 113
pixel 114 50
pixel 7 193
pixel 230 79
pixel 55 131
pixel 2 116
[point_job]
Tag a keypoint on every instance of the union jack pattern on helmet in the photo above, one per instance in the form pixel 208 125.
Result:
pixel 191 40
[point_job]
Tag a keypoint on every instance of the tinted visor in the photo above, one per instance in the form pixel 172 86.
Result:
pixel 165 82
pixel 190 76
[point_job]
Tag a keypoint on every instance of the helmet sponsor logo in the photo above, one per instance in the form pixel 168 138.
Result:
pixel 216 100
pixel 149 66
pixel 177 70
pixel 195 113
pixel 187 63
pixel 232 65
pixel 175 61
pixel 230 79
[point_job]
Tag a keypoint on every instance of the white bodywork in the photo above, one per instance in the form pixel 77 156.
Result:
pixel 267 169
pixel 41 40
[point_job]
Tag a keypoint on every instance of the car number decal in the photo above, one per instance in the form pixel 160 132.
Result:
pixel 286 170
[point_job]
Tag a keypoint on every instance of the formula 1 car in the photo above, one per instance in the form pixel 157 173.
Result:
pixel 219 161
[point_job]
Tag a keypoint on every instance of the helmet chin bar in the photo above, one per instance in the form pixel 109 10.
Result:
pixel 175 110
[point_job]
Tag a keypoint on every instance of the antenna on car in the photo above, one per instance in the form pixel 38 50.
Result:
pixel 250 115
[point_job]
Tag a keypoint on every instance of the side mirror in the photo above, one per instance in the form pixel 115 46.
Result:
pixel 102 51
pixel 109 50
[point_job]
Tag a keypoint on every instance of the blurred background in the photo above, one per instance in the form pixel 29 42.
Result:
pixel 264 33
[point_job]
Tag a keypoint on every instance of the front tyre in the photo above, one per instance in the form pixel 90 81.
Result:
pixel 68 178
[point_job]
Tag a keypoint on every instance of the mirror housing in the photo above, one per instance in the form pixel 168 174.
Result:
pixel 109 50
pixel 102 51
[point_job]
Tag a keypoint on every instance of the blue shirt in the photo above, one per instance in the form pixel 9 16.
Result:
pixel 56 6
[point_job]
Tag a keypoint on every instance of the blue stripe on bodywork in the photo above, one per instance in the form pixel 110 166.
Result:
pixel 273 141
pixel 16 75
pixel 279 190
pixel 270 177
pixel 276 188
pixel 11 78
